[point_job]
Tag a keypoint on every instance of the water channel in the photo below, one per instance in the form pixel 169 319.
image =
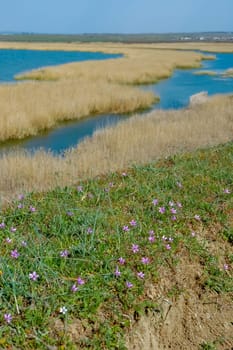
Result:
pixel 174 93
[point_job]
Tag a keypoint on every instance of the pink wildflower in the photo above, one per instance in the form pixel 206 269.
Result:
pixel 133 223
pixel 80 189
pixel 33 276
pixel 121 261
pixel 80 281
pixel 141 274
pixel 151 239
pixel 117 273
pixel 135 248
pixel 145 260
pixel 64 253
pixel 2 225
pixel 162 210
pixel 89 230
pixel 8 318
pixel 32 209
pixel 74 288
pixel 129 284
pixel 15 254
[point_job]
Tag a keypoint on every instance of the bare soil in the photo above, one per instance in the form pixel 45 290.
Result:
pixel 188 315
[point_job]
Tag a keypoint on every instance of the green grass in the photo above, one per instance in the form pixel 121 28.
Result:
pixel 89 223
pixel 207 346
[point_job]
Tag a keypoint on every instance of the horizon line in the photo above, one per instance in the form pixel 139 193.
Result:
pixel 6 32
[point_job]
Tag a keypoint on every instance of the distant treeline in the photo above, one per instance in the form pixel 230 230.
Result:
pixel 121 38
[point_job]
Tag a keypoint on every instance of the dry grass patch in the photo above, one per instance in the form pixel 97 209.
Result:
pixel 228 73
pixel 138 140
pixel 29 108
pixel 208 47
pixel 138 66
pixel 118 47
pixel 158 134
pixel 205 72
pixel 79 89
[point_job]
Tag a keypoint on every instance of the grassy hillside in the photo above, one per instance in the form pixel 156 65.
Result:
pixel 82 266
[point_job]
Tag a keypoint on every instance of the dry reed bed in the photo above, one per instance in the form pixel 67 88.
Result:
pixel 79 89
pixel 138 66
pixel 118 47
pixel 202 46
pixel 92 47
pixel 138 140
pixel 31 107
pixel 228 73
pixel 205 72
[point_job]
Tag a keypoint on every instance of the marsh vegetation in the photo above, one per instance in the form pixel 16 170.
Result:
pixel 145 235
pixel 205 72
pixel 76 90
pixel 134 141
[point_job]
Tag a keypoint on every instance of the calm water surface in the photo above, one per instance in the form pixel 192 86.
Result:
pixel 174 93
pixel 13 62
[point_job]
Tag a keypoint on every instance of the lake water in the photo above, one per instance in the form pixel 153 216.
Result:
pixel 13 62
pixel 174 93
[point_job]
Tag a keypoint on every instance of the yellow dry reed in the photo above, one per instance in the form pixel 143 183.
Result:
pixel 79 89
pixel 119 47
pixel 138 66
pixel 205 72
pixel 228 73
pixel 136 141
pixel 75 90
pixel 26 109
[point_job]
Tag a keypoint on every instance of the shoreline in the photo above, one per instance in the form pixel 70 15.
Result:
pixel 135 141
pixel 51 85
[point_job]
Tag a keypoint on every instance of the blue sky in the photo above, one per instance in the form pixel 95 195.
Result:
pixel 115 16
